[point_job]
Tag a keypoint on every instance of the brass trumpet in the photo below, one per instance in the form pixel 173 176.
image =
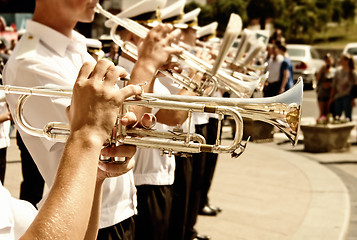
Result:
pixel 214 79
pixel 282 111
pixel 175 141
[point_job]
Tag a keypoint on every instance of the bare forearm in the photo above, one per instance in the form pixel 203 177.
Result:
pixel 285 80
pixel 93 226
pixel 66 212
pixel 174 117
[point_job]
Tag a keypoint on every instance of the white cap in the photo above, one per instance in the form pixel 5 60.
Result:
pixel 207 30
pixel 94 46
pixel 145 11
pixel 190 19
pixel 174 12
pixel 93 43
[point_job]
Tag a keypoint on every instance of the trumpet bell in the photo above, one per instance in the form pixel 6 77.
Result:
pixel 282 111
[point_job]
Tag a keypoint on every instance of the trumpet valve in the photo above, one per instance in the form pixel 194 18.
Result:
pixel 178 129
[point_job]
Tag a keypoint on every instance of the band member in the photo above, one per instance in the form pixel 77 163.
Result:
pixel 71 210
pixel 51 53
pixel 153 172
pixel 189 170
pixel 204 35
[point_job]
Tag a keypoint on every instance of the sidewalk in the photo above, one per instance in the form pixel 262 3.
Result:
pixel 278 192
pixel 269 193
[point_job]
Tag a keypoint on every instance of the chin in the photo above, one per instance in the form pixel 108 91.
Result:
pixel 87 18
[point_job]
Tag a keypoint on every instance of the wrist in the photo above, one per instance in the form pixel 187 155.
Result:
pixel 146 65
pixel 89 138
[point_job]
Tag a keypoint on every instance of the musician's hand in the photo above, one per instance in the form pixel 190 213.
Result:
pixel 96 99
pixel 107 170
pixel 156 48
pixel 205 55
pixel 175 66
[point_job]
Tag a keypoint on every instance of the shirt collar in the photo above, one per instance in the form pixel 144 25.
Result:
pixel 55 40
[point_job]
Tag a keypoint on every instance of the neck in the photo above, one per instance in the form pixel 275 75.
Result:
pixel 51 17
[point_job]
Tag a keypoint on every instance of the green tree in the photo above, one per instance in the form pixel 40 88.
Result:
pixel 302 19
pixel 348 9
pixel 264 9
pixel 222 10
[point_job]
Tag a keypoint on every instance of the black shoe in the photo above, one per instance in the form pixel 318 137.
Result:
pixel 202 237
pixel 207 211
pixel 215 208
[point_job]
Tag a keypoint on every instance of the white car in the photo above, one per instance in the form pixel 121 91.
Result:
pixel 306 63
pixel 351 48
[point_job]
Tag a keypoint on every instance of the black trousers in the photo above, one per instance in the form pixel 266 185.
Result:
pixel 193 178
pixel 198 171
pixel 2 164
pixel 272 89
pixel 210 162
pixel 154 210
pixel 32 185
pixel 124 230
pixel 181 197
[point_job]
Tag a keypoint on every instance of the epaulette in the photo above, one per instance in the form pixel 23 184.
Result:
pixel 28 46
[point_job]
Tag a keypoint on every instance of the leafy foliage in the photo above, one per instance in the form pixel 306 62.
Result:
pixel 300 20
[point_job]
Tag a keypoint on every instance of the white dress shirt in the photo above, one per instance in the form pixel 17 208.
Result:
pixel 150 167
pixel 4 126
pixel 273 68
pixel 43 57
pixel 16 215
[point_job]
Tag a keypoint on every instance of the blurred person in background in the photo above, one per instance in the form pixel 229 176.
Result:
pixel 324 80
pixel 273 83
pixel 340 97
pixel 113 54
pixel 4 56
pixel 5 118
pixel 286 70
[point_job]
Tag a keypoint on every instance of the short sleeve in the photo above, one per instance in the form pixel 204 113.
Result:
pixel 355 77
pixel 285 65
